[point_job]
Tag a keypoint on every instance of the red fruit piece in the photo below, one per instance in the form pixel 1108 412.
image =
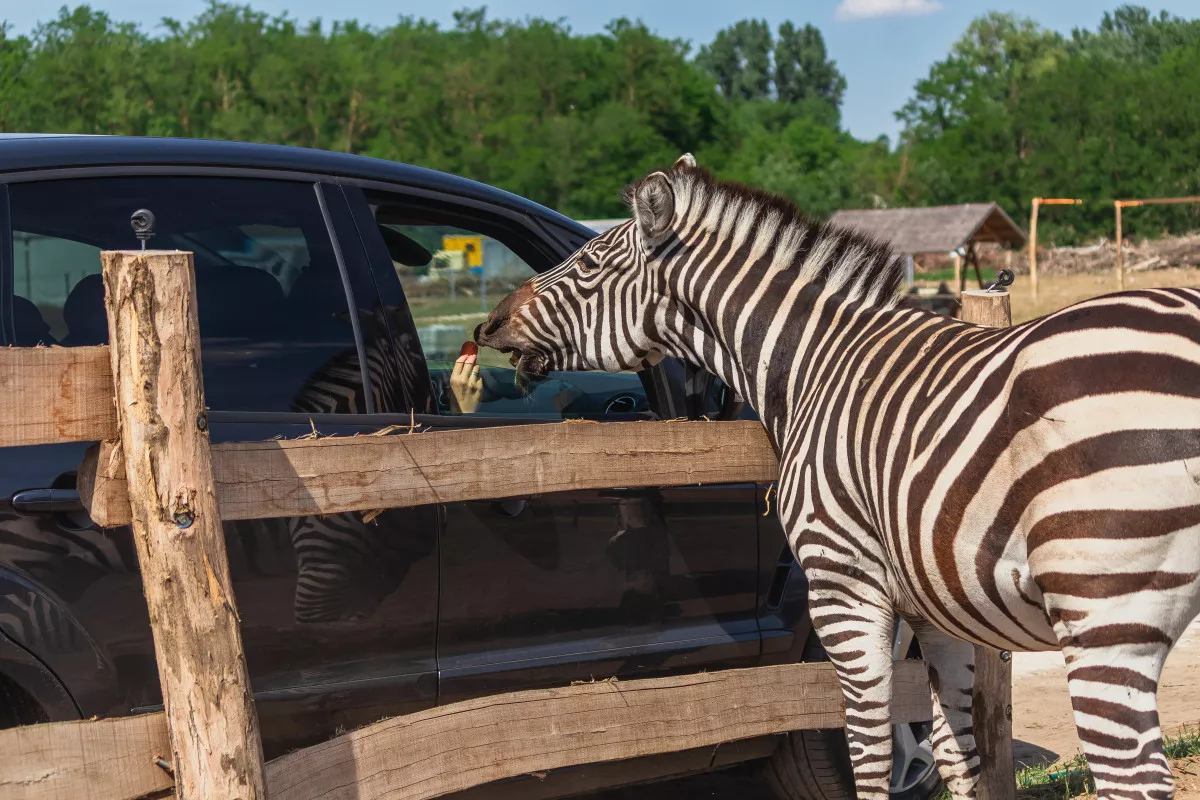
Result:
pixel 469 349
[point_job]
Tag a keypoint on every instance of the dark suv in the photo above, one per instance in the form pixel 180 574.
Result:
pixel 334 291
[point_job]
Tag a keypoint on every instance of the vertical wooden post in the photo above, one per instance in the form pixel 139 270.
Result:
pixel 991 713
pixel 1120 252
pixel 155 348
pixel 982 307
pixel 1033 216
pixel 991 706
pixel 958 283
pixel 973 256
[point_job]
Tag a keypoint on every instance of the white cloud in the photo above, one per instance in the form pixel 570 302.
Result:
pixel 868 9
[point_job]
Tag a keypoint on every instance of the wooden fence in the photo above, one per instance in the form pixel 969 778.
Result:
pixel 141 398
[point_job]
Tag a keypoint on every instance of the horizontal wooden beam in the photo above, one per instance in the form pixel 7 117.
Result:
pixel 293 478
pixel 454 747
pixel 110 759
pixel 55 394
pixel 1156 201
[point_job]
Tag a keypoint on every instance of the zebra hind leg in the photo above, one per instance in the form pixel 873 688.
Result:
pixel 853 620
pixel 1115 649
pixel 950 663
pixel 1113 691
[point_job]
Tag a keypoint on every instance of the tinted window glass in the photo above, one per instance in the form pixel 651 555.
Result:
pixel 275 332
pixel 454 269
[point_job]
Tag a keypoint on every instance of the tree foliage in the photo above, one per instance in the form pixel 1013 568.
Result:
pixel 1013 111
pixel 1016 111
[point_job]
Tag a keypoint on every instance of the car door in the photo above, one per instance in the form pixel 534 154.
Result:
pixel 338 614
pixel 564 586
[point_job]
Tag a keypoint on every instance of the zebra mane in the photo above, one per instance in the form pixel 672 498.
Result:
pixel 846 261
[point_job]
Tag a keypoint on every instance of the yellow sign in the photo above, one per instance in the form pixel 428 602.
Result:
pixel 471 245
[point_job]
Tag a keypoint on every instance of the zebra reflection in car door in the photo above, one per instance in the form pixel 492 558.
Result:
pixel 347 566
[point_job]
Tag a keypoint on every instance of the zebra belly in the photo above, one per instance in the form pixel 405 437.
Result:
pixel 1013 615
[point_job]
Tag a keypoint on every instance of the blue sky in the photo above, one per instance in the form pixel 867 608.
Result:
pixel 883 46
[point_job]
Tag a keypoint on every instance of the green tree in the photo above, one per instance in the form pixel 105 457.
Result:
pixel 803 70
pixel 740 58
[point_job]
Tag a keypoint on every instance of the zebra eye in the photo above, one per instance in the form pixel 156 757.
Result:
pixel 586 267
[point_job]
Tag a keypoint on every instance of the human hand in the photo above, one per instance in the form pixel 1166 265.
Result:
pixel 466 387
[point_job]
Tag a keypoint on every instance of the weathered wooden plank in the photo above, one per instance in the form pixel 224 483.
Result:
pixel 110 759
pixel 325 476
pixel 55 394
pixel 991 715
pixel 155 350
pixel 986 308
pixel 453 747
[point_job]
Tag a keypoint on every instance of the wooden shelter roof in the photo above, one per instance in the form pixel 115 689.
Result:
pixel 938 229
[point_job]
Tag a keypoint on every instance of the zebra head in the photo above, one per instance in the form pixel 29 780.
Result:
pixel 603 307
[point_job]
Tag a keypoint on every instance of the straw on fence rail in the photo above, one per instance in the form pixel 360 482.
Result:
pixel 326 476
pixel 454 747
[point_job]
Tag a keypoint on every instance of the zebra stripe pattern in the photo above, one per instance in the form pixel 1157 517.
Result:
pixel 1031 488
pixel 346 567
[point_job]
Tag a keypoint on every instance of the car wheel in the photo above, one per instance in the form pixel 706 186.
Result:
pixel 17 706
pixel 815 765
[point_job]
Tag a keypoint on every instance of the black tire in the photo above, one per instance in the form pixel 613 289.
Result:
pixel 815 765
pixel 17 706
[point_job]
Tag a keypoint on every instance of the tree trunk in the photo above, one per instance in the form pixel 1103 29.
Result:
pixel 155 348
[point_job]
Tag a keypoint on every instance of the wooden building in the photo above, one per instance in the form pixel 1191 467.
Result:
pixel 938 229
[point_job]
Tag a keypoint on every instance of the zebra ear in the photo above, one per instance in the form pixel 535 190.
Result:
pixel 686 160
pixel 653 208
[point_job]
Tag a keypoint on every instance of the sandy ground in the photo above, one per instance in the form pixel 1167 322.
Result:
pixel 1058 291
pixel 1042 723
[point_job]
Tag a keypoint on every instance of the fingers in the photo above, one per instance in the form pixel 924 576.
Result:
pixel 464 366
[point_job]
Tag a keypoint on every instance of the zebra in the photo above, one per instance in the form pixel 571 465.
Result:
pixel 1028 488
pixel 396 371
pixel 345 568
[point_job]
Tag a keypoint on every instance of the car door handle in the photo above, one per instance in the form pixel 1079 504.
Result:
pixel 46 501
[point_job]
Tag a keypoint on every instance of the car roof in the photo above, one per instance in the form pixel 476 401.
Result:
pixel 21 152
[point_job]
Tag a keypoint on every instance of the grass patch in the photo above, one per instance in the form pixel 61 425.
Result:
pixel 440 306
pixel 1062 779
pixel 936 275
pixel 1070 778
pixel 1183 744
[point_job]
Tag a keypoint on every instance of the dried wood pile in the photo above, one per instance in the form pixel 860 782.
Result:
pixel 1095 258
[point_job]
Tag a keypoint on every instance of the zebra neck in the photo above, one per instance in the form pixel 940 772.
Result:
pixel 796 352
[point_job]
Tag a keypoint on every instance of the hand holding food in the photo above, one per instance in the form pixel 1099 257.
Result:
pixel 466 386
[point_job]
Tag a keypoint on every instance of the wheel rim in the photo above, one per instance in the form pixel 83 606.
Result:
pixel 912 754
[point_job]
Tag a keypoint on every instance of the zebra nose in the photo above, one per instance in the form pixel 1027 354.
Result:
pixel 490 327
pixel 475 335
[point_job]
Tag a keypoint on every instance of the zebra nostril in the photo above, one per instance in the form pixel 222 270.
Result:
pixel 493 325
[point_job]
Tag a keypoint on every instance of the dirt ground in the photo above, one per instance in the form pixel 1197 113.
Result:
pixel 1044 730
pixel 1057 291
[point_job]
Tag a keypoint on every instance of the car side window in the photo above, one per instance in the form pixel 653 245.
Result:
pixel 275 331
pixel 453 269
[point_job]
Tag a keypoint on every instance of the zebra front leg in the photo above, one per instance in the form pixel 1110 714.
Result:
pixel 950 663
pixel 853 619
